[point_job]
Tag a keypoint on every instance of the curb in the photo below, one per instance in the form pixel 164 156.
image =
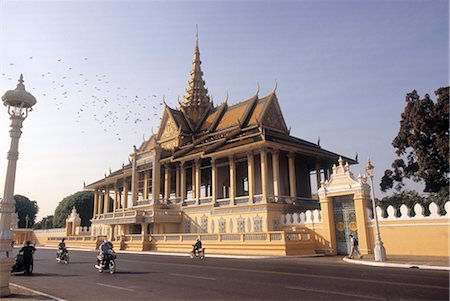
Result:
pixel 396 265
pixel 35 292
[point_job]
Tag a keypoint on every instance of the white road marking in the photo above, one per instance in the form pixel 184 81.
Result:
pixel 333 293
pixel 36 292
pixel 191 276
pixel 416 285
pixel 117 287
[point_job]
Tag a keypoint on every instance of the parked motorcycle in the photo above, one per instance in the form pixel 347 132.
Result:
pixel 106 262
pixel 19 266
pixel 62 256
pixel 200 254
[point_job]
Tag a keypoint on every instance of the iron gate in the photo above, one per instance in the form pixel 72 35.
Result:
pixel 345 222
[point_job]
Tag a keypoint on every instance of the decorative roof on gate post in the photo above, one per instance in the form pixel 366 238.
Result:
pixel 196 102
pixel 73 216
pixel 342 180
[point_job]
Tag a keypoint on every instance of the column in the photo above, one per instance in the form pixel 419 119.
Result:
pixel 264 174
pixel 106 205
pixel 111 232
pixel 125 193
pixel 198 180
pixel 133 179
pixel 101 202
pixel 292 182
pixel 276 174
pixel 214 179
pixel 116 197
pixel 156 175
pixel 318 174
pixel 166 182
pixel 177 182
pixel 95 203
pixel 193 177
pixel 232 179
pixel 182 181
pixel 251 176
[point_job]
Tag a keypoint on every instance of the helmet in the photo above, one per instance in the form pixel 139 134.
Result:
pixel 63 239
pixel 28 243
pixel 198 239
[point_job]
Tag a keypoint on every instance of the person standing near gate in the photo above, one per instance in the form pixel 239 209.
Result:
pixel 354 247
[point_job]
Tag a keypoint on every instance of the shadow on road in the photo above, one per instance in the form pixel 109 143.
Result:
pixel 46 275
pixel 134 273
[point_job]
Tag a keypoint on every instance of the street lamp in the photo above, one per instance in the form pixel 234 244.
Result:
pixel 379 251
pixel 19 102
pixel 27 219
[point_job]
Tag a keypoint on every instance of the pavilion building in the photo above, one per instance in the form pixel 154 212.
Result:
pixel 231 168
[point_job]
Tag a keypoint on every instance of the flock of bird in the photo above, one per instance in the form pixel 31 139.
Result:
pixel 92 96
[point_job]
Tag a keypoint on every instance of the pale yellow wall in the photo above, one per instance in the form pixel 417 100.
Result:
pixel 419 238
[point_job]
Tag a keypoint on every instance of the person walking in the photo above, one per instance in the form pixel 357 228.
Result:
pixel 28 252
pixel 354 247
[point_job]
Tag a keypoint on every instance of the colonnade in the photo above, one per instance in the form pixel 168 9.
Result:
pixel 164 182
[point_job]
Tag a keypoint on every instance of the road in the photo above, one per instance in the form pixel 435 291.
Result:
pixel 156 277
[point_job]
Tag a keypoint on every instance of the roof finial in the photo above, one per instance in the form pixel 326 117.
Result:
pixel 226 99
pixel 21 78
pixel 257 91
pixel 276 86
pixel 196 35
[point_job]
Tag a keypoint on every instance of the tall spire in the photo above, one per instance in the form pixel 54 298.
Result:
pixel 196 93
pixel 196 102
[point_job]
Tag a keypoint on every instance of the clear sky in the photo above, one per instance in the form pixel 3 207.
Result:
pixel 99 71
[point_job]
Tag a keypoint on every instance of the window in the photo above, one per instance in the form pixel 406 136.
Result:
pixel 241 225
pixel 187 226
pixel 204 224
pixel 257 224
pixel 222 226
pixel 276 224
pixel 141 181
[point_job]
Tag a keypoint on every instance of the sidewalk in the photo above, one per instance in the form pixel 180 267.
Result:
pixel 19 292
pixel 397 261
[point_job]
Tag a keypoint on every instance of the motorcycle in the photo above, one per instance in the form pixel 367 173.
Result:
pixel 62 256
pixel 106 262
pixel 19 266
pixel 200 254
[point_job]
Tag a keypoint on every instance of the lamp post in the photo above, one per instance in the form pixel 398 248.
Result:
pixel 19 102
pixel 27 219
pixel 379 251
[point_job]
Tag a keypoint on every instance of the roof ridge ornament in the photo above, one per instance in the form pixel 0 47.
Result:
pixel 275 88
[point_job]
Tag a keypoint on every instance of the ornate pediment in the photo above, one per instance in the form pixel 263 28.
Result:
pixel 169 132
pixel 273 117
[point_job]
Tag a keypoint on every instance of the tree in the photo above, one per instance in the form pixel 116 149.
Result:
pixel 83 201
pixel 44 223
pixel 423 140
pixel 24 208
pixel 407 197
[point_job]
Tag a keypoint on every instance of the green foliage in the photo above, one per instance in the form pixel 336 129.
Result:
pixel 440 198
pixel 83 202
pixel 422 143
pixel 44 223
pixel 407 197
pixel 25 207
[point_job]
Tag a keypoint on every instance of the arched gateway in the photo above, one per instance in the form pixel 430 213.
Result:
pixel 229 173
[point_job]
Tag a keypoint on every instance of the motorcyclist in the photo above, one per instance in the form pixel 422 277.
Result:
pixel 197 246
pixel 105 249
pixel 28 251
pixel 62 247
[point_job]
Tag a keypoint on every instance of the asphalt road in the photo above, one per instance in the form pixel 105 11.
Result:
pixel 155 277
